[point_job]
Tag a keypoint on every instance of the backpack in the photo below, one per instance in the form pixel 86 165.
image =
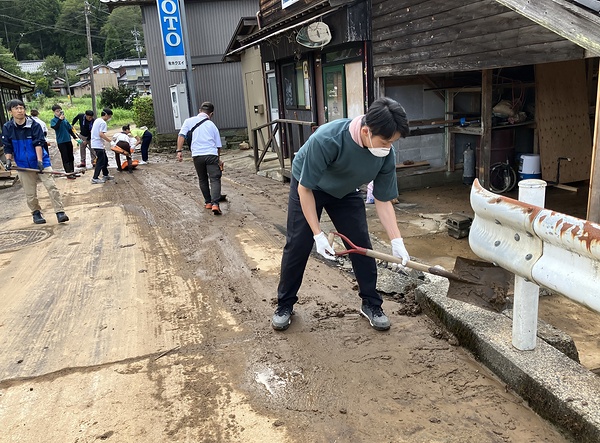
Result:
pixel 188 136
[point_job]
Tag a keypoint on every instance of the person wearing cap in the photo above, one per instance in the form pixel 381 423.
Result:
pixel 97 138
pixel 206 149
pixel 23 138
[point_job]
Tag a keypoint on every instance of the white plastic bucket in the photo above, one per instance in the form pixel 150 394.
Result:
pixel 529 167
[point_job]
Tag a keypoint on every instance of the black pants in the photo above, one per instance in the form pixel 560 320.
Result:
pixel 127 156
pixel 349 217
pixel 208 170
pixel 66 155
pixel 146 139
pixel 101 163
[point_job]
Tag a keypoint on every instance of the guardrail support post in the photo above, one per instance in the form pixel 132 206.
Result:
pixel 526 296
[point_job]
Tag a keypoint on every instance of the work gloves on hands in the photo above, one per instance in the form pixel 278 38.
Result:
pixel 8 164
pixel 399 250
pixel 40 166
pixel 323 246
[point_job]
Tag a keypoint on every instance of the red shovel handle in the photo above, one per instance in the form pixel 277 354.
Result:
pixel 353 248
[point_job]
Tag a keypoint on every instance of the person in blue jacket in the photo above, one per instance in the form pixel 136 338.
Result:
pixel 326 172
pixel 22 138
pixel 64 133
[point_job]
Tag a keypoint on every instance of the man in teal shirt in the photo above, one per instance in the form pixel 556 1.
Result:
pixel 327 170
pixel 64 133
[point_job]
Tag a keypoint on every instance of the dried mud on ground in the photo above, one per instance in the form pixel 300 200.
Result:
pixel 146 318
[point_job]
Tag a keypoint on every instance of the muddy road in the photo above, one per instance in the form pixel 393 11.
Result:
pixel 147 319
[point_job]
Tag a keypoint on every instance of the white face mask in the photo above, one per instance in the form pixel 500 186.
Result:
pixel 378 152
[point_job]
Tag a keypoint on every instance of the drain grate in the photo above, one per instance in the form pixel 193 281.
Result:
pixel 13 240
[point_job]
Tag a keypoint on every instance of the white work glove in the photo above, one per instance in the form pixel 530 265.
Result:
pixel 399 250
pixel 323 246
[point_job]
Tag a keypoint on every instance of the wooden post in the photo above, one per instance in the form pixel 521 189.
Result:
pixel 449 147
pixel 593 210
pixel 485 147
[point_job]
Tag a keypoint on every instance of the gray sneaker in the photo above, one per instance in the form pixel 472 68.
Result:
pixel 98 181
pixel 376 316
pixel 282 318
pixel 109 177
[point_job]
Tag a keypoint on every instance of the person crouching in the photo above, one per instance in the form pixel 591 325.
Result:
pixel 120 145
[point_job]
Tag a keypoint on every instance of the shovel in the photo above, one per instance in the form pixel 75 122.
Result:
pixel 390 258
pixel 56 173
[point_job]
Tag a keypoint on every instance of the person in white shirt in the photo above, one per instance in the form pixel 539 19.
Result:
pixel 121 144
pixel 97 138
pixel 206 148
pixel 35 114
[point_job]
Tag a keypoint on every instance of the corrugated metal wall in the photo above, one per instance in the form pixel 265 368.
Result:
pixel 210 26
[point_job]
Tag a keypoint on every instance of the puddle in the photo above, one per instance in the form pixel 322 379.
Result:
pixel 270 381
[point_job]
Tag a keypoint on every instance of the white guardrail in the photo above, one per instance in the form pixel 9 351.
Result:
pixel 540 246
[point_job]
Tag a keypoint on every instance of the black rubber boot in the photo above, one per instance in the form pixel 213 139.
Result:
pixel 129 165
pixel 37 218
pixel 62 217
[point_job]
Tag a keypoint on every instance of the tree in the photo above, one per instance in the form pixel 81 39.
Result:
pixel 71 21
pixel 120 97
pixel 8 62
pixel 30 27
pixel 53 66
pixel 112 46
pixel 143 112
pixel 123 20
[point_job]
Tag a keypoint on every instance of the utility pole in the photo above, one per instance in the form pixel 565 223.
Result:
pixel 138 48
pixel 90 56
pixel 68 86
pixel 189 76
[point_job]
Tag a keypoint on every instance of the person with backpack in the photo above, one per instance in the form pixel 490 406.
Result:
pixel 204 140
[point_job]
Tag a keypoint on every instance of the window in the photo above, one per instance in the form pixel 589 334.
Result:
pixel 296 85
pixel 131 72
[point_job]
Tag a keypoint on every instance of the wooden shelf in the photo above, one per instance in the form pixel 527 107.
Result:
pixel 470 130
pixel 476 130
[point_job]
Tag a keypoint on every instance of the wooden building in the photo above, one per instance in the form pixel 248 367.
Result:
pixel 446 60
pixel 503 77
pixel 104 77
pixel 315 55
pixel 11 87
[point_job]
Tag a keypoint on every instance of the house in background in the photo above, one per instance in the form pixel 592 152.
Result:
pixel 59 86
pixel 133 73
pixel 104 77
pixel 34 66
pixel 31 66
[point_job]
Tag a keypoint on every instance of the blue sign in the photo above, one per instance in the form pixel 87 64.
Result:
pixel 172 34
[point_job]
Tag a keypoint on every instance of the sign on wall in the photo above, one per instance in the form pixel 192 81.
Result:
pixel 172 34
pixel 286 3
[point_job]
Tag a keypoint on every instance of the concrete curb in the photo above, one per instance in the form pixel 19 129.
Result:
pixel 557 388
